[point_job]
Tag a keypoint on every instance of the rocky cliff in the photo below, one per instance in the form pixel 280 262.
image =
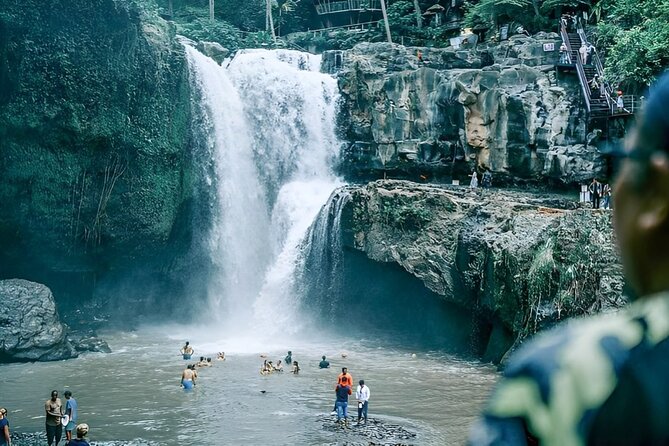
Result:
pixel 95 151
pixel 494 107
pixel 518 262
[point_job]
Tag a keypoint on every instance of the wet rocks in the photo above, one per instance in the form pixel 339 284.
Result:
pixel 39 439
pixel 30 328
pixel 375 432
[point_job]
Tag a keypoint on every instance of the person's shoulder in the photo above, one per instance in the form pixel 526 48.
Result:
pixel 573 343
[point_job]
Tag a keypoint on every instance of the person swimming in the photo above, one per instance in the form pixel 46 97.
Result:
pixel 221 356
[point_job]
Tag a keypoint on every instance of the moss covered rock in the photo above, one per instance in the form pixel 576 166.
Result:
pixel 95 164
pixel 520 262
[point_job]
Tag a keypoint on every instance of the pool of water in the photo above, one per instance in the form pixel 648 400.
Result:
pixel 134 393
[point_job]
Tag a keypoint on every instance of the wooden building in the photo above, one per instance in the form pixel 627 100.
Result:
pixel 348 13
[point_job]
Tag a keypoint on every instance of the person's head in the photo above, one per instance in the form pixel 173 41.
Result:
pixel 3 412
pixel 187 343
pixel 201 358
pixel 208 359
pixel 289 352
pixel 54 395
pixel 361 382
pixel 344 370
pixel 641 197
pixel 82 430
pixel 67 394
pixel 323 357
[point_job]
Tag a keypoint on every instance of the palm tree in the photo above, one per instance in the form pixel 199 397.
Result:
pixel 385 20
pixel 418 12
pixel 269 21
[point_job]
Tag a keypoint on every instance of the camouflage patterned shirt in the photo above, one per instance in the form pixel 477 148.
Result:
pixel 600 381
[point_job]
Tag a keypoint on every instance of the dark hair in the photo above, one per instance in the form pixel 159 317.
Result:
pixel 54 391
pixel 67 393
pixel 361 382
pixel 323 357
pixel 344 369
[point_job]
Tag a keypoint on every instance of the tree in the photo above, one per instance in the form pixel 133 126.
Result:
pixel 419 14
pixel 211 10
pixel 385 20
pixel 269 22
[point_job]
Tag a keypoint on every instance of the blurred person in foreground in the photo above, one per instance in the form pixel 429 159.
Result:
pixel 604 380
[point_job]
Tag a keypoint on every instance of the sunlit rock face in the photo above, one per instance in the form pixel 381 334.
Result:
pixel 31 329
pixel 496 108
pixel 518 262
pixel 96 175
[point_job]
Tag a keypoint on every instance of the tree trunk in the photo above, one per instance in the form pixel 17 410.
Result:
pixel 419 14
pixel 270 21
pixel 211 10
pixel 170 8
pixel 385 20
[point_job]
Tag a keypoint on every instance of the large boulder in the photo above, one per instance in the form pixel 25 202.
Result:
pixel 30 329
pixel 520 262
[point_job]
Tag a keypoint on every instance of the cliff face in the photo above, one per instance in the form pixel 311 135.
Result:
pixel 496 107
pixel 95 156
pixel 519 262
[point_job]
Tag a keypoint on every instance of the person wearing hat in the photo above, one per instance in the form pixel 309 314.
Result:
pixel 82 431
pixel 603 380
pixel 71 412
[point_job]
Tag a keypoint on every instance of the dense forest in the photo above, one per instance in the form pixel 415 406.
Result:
pixel 632 36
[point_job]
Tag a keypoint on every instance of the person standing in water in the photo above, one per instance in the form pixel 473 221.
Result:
pixel 187 351
pixel 289 358
pixel 71 412
pixel 188 378
pixel 54 411
pixel 324 364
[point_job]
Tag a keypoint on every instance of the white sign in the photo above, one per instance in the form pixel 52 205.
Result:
pixel 549 47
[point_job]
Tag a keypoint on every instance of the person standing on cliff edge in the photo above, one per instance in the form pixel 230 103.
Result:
pixel 603 380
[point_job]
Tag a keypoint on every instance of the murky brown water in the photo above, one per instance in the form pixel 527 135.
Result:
pixel 134 392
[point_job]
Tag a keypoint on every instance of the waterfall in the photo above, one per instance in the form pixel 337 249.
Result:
pixel 270 121
pixel 321 270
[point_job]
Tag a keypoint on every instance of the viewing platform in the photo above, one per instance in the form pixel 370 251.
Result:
pixel 343 6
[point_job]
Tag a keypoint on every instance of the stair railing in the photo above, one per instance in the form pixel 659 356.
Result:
pixel 578 63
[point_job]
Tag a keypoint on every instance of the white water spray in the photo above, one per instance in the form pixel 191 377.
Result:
pixel 272 122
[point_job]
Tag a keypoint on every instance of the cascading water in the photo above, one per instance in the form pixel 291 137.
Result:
pixel 271 123
pixel 320 272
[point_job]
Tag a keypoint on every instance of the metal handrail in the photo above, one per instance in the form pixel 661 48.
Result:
pixel 599 67
pixel 329 7
pixel 578 63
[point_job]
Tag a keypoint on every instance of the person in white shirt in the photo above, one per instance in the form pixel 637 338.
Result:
pixel 362 395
